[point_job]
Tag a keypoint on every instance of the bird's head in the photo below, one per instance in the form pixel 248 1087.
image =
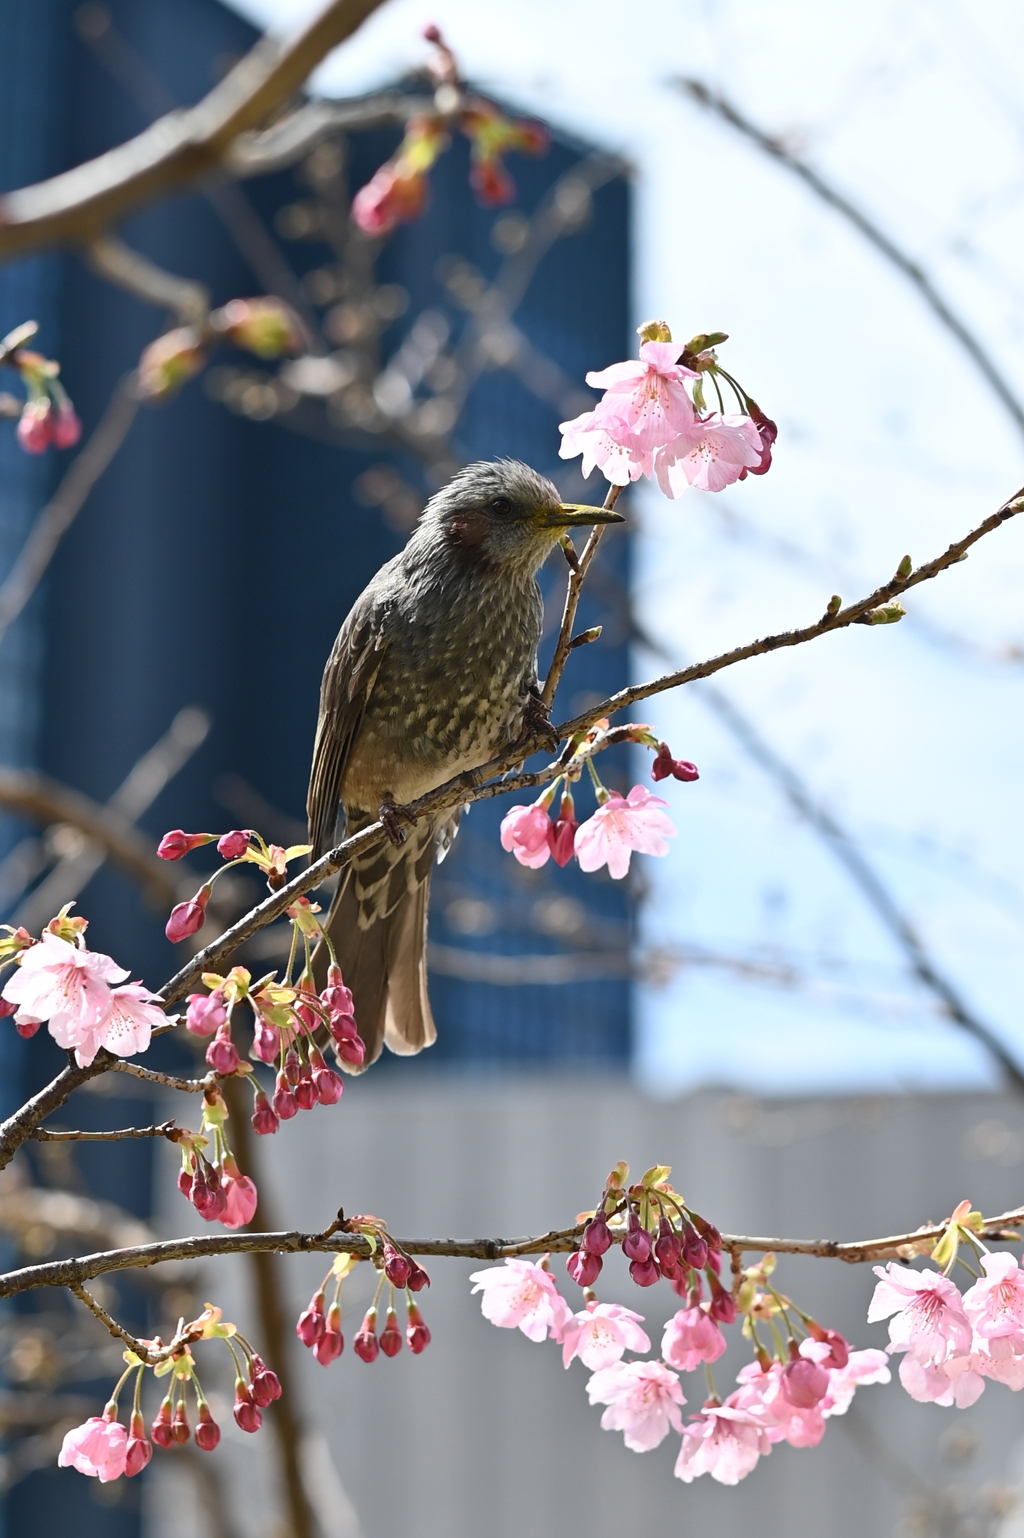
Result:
pixel 500 514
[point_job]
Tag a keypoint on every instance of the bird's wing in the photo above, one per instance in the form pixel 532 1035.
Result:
pixel 348 681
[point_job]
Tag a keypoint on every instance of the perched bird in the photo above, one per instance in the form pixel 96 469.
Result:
pixel 433 671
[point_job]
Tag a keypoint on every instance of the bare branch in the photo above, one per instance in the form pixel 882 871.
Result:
pixel 63 507
pixel 128 269
pixel 107 1322
pixel 187 1086
pixel 873 234
pixel 79 205
pixel 70 1273
pixel 291 138
pixel 166 1129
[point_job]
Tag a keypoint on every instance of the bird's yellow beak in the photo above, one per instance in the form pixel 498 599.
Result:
pixel 572 513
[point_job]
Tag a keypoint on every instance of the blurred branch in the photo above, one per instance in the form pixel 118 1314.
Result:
pixel 863 873
pixel 872 232
pixel 119 264
pixel 69 1273
pixel 63 507
pixel 179 148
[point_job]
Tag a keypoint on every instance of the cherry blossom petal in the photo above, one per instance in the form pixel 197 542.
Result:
pixel 642 1399
pixel 600 1334
pixel 521 1295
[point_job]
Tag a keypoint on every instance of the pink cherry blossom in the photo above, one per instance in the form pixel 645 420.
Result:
pixel 134 1014
pixel 620 825
pixel 68 986
pixel 646 397
pixel 642 1399
pixel 98 1447
pixel 958 1381
pixel 995 1304
pixel 607 445
pixel 762 1397
pixel 524 833
pixel 601 1333
pixel 712 454
pixel 522 1295
pixel 690 1338
pixel 862 1367
pixel 928 1317
pixel 723 1442
pixel 241 1195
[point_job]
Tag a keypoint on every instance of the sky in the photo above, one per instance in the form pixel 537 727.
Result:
pixel 890 442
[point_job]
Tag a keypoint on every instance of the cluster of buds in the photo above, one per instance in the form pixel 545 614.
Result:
pixel 241 846
pixel 620 825
pixel 47 417
pixel 656 418
pixel 319 1328
pixel 106 1449
pixel 398 190
pixel 660 1236
pixel 265 326
pixel 209 1177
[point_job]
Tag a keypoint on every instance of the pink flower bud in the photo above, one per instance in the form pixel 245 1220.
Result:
pixel 839 1352
pixel 305 1093
pixel 644 1272
pixel 562 832
pixel 391 1335
pixel 222 1054
pixel 265 326
pixel 418 1279
pixel 264 1118
pixel 311 1323
pixel 169 361
pixel 723 1304
pixel 397 1267
pixel 208 1200
pixel 176 843
pixel 667 1246
pixel 695 1249
pixel 233 845
pixel 768 431
pixel 246 1412
pixel 139 1449
pixel 35 425
pixel 584 1268
pixel 352 1049
pixel 160 1430
pixel 637 1243
pixel 417 1333
pixel 331 1343
pixel 187 917
pixel 804 1383
pixel 266 1042
pixel 207 1430
pixel 597 1237
pixel 285 1103
pixel 67 430
pixel 366 1344
pixel 292 1067
pixel 185 1179
pixel 206 1013
pixel 179 1423
pixel 27 1028
pixel 328 1084
pixel 432 32
pixel 266 1385
pixel 8 1008
pixel 665 765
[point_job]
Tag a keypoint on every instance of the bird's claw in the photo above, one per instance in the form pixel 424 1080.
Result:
pixel 392 816
pixel 537 721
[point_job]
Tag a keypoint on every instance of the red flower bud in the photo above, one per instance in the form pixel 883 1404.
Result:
pixel 233 845
pixel 418 1279
pixel 139 1449
pixel 292 1067
pixel 597 1237
pixel 723 1304
pixel 397 1267
pixel 266 1042
pixel 328 1084
pixel 35 425
pixel 246 1412
pixel 351 1049
pixel 27 1028
pixel 562 832
pixel 695 1249
pixel 207 1430
pixel 391 1335
pixel 266 1385
pixel 637 1243
pixel 176 843
pixel 366 1344
pixel 839 1353
pixel 185 1180
pixel 331 1343
pixel 160 1430
pixel 644 1272
pixel 67 430
pixel 584 1268
pixel 312 1324
pixel 804 1383
pixel 417 1333
pixel 305 1093
pixel 222 1054
pixel 187 917
pixel 285 1103
pixel 264 1118
pixel 667 1246
pixel 206 1013
pixel 665 765
pixel 179 1423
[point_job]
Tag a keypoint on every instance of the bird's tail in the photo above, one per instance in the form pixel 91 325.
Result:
pixel 378 927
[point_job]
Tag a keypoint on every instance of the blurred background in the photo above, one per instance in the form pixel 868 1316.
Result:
pixel 793 1006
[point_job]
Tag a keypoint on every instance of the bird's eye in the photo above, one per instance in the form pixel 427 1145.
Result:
pixel 501 505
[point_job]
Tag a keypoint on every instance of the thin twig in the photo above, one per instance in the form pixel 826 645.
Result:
pixel 179 148
pixel 871 885
pixel 188 1086
pixel 136 274
pixel 872 232
pixel 63 507
pixel 166 1129
pixel 66 1273
pixel 106 1321
pixel 563 645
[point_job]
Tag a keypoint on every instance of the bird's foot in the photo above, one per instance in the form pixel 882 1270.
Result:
pixel 537 721
pixel 392 816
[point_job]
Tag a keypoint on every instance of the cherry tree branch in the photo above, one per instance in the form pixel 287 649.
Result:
pixel 78 205
pixel 574 586
pixel 166 1129
pixel 873 234
pixel 73 1272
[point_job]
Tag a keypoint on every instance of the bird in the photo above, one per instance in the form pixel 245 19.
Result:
pixel 433 671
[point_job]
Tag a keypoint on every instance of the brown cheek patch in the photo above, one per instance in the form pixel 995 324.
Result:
pixel 467 534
